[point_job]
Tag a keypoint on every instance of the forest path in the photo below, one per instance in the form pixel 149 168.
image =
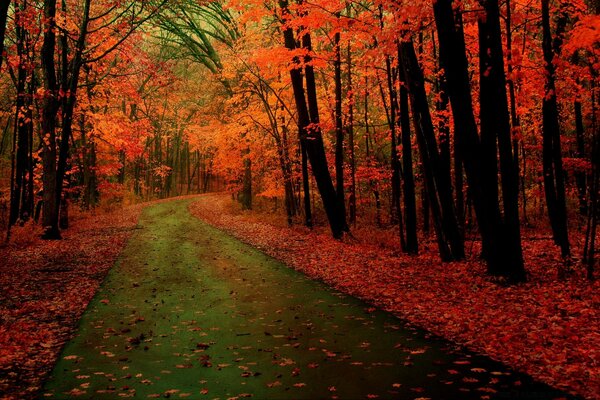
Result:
pixel 189 311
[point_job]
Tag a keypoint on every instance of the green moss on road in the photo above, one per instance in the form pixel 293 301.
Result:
pixel 188 311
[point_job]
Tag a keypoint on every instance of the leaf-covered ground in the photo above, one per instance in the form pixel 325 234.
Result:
pixel 191 312
pixel 44 289
pixel 546 327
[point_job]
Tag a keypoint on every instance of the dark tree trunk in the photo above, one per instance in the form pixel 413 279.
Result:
pixel 495 126
pixel 70 78
pixel 4 5
pixel 425 209
pixel 286 168
pixel 580 176
pixel 309 129
pixel 410 201
pixel 21 205
pixel 339 131
pixel 467 146
pixel 350 131
pixel 500 245
pixel 308 221
pixel 514 117
pixel 450 241
pixel 49 108
pixel 589 250
pixel 372 183
pixel 441 108
pixel 246 194
pixel 554 184
pixel 88 147
pixel 395 211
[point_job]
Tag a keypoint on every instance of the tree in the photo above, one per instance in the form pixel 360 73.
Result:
pixel 450 241
pixel 554 180
pixel 496 143
pixel 22 196
pixel 4 6
pixel 3 15
pixel 50 106
pixel 480 165
pixel 308 123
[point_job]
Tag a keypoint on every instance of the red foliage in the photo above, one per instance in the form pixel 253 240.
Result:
pixel 45 287
pixel 546 327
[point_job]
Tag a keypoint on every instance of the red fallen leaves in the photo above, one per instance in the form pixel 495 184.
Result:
pixel 44 288
pixel 545 327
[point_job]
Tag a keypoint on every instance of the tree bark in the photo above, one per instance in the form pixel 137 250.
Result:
pixel 500 247
pixel 339 130
pixel 395 210
pixel 21 202
pixel 410 201
pixel 350 131
pixel 4 5
pixel 495 126
pixel 309 128
pixel 554 184
pixel 49 108
pixel 580 176
pixel 450 241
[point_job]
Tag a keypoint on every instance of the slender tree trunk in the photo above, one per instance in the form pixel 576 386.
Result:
pixel 286 167
pixel 450 241
pixel 246 194
pixel 309 129
pixel 372 183
pixel 4 5
pixel 410 201
pixel 308 221
pixel 554 185
pixel 20 194
pixel 580 176
pixel 589 250
pixel 350 131
pixel 441 108
pixel 514 117
pixel 339 131
pixel 70 85
pixel 395 210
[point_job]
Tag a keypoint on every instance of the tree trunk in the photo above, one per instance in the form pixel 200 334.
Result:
pixel 308 221
pixel 495 125
pixel 554 184
pixel 49 108
pixel 4 5
pixel 503 256
pixel 20 204
pixel 410 201
pixel 339 131
pixel 350 131
pixel 395 211
pixel 372 183
pixel 589 250
pixel 309 129
pixel 580 176
pixel 450 241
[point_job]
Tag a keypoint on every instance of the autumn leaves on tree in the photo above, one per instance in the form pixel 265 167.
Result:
pixel 473 117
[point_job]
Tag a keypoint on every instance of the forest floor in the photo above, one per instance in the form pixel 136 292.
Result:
pixel 44 288
pixel 189 311
pixel 547 327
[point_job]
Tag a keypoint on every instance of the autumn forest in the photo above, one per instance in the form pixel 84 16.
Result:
pixel 228 199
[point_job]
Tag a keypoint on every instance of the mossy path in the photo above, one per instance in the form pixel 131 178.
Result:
pixel 189 311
